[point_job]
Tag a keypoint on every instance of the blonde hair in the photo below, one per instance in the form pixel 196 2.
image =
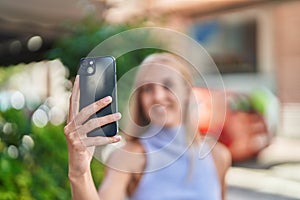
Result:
pixel 139 120
pixel 138 116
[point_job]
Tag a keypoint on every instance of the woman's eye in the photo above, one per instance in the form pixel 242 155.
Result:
pixel 168 85
pixel 147 88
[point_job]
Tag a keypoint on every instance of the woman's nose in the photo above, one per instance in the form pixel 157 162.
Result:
pixel 159 93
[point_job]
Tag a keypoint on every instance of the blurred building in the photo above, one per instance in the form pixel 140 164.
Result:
pixel 253 42
pixel 28 29
pixel 38 87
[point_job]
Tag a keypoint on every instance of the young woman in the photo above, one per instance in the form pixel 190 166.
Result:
pixel 160 159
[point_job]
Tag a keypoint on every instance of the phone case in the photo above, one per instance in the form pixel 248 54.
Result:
pixel 98 80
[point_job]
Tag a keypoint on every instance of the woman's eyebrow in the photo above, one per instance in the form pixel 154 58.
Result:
pixel 167 80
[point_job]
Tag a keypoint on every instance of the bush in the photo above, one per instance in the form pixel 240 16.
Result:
pixel 34 163
pixel 38 171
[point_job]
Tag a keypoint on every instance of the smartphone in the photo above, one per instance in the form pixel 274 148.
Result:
pixel 97 77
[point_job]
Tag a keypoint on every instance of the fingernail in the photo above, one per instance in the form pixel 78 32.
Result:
pixel 117 115
pixel 107 99
pixel 117 137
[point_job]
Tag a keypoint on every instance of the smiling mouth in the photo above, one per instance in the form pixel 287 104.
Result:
pixel 159 109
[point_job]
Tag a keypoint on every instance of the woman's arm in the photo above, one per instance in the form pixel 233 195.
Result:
pixel 114 185
pixel 81 147
pixel 222 158
pixel 122 165
pixel 83 187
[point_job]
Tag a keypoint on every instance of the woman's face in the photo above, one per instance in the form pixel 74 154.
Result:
pixel 163 95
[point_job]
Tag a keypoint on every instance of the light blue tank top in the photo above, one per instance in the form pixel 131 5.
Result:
pixel 173 171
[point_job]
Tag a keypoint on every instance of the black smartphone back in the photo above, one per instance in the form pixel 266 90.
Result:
pixel 98 80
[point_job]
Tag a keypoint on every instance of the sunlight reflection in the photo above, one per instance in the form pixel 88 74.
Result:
pixel 17 100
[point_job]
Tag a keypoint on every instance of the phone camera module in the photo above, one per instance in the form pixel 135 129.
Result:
pixel 87 67
pixel 85 64
pixel 90 70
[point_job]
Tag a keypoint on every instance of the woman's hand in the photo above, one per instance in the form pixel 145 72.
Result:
pixel 81 147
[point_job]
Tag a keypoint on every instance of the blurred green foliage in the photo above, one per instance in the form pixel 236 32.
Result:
pixel 36 171
pixel 6 72
pixel 40 171
pixel 85 37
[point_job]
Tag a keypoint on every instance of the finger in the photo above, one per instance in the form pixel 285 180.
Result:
pixel 74 141
pixel 71 100
pixel 91 124
pixel 71 127
pixel 96 123
pixel 91 109
pixel 70 110
pixel 74 100
pixel 99 140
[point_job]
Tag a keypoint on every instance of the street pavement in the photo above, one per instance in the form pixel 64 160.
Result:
pixel 237 193
pixel 273 175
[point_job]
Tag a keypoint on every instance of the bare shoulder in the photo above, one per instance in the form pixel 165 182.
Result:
pixel 133 146
pixel 128 158
pixel 122 165
pixel 222 158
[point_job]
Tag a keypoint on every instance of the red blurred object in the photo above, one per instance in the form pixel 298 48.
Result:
pixel 211 110
pixel 243 131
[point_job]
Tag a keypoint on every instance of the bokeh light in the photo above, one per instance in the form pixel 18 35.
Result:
pixel 15 47
pixel 27 142
pixel 56 115
pixel 4 101
pixel 17 100
pixel 13 151
pixel 40 118
pixel 7 128
pixel 34 43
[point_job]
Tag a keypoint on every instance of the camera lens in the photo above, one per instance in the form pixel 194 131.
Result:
pixel 85 63
pixel 90 70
